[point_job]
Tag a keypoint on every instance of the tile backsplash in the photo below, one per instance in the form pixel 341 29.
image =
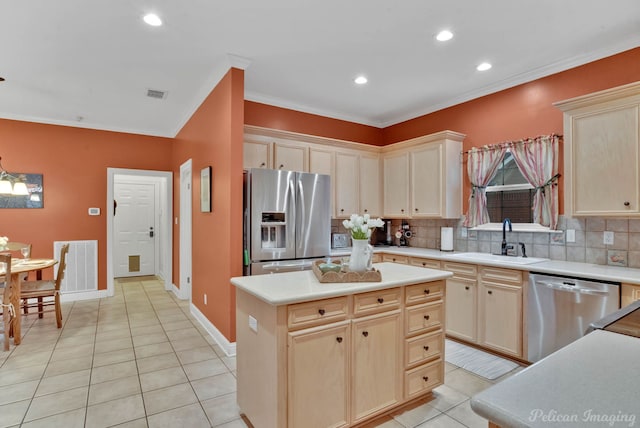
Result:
pixel 588 247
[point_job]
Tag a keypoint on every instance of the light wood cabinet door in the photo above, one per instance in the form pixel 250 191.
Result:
pixel 396 185
pixel 347 195
pixel 629 294
pixel 322 161
pixel 256 154
pixel 376 364
pixel 319 376
pixel 290 157
pixel 426 181
pixel 370 185
pixel 461 313
pixel 606 144
pixel 501 317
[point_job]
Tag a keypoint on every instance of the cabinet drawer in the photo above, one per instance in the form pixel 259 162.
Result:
pixel 423 379
pixel 376 301
pixel 317 312
pixel 395 259
pixel 422 293
pixel 461 269
pixel 421 318
pixel 501 275
pixel 420 349
pixel 427 263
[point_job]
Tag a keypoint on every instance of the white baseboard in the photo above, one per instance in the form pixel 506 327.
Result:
pixel 83 295
pixel 229 348
pixel 177 292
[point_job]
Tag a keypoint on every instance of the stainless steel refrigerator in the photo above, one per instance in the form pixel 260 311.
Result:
pixel 287 220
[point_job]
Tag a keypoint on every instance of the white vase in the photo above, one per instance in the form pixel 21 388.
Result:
pixel 361 252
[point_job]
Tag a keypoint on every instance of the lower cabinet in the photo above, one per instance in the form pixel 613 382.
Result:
pixel 377 384
pixel 318 381
pixel 629 293
pixel 462 301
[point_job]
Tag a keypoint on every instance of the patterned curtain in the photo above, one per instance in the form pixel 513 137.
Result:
pixel 537 159
pixel 482 165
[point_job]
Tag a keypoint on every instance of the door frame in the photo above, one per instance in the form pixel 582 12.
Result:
pixel 186 210
pixel 164 264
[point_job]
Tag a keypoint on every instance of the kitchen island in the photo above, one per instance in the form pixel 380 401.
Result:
pixel 313 354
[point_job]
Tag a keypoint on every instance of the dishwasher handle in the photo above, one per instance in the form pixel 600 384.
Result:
pixel 572 289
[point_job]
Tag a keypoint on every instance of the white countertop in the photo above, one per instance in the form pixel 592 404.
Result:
pixel 301 286
pixel 597 376
pixel 557 267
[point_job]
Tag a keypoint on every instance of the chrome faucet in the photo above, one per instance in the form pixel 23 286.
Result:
pixel 504 235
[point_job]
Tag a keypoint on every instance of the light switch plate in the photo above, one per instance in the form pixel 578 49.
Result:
pixel 94 211
pixel 253 323
pixel 608 238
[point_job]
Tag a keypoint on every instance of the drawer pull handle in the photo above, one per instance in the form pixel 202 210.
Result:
pixel 466 287
pixel 339 339
pixel 426 317
pixel 427 291
pixel 426 348
pixel 365 333
pixel 380 300
pixel 321 311
pixel 425 378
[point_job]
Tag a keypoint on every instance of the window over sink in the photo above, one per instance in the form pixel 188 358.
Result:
pixel 509 195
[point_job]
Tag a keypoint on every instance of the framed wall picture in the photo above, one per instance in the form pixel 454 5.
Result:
pixel 205 190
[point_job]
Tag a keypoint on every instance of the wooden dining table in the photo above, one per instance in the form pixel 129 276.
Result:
pixel 18 268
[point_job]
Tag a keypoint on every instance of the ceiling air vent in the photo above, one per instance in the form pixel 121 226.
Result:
pixel 154 93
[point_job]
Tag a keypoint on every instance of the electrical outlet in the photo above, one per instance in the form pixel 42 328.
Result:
pixel 205 298
pixel 463 232
pixel 608 238
pixel 571 235
pixel 253 323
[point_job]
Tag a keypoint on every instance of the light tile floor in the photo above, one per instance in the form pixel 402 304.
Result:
pixel 139 359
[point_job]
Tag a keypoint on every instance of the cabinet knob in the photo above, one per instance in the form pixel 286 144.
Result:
pixel 424 264
pixel 490 292
pixel 425 378
pixel 263 165
pixel 426 317
pixel 380 300
pixel 339 339
pixel 366 210
pixel 365 333
pixel 401 210
pixel 341 210
pixel 321 311
pixel 281 166
pixel 426 348
pixel 427 291
pixel 466 287
pixel 416 210
pixel 626 203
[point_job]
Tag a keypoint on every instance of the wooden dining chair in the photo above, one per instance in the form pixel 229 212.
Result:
pixel 41 289
pixel 5 294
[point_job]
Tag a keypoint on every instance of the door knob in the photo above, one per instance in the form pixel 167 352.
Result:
pixel 150 232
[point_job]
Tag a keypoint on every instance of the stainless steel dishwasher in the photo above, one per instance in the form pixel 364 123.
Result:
pixel 560 309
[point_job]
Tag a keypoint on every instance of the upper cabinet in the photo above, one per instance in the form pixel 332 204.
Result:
pixel 423 177
pixel 419 178
pixel 602 153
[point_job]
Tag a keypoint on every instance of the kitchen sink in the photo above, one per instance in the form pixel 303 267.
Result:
pixel 486 257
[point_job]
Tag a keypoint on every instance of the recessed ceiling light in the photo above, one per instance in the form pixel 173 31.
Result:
pixel 152 19
pixel 483 67
pixel 360 80
pixel 444 35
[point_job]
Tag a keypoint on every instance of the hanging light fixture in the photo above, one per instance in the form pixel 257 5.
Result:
pixel 11 185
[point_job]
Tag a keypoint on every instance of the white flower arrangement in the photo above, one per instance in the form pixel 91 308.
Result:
pixel 3 241
pixel 361 227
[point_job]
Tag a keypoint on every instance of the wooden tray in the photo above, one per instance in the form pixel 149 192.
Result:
pixel 345 275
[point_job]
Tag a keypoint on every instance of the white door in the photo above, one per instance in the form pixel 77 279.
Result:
pixel 134 229
pixel 185 230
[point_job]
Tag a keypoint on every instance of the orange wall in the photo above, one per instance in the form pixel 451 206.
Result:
pixel 213 137
pixel 305 123
pixel 74 164
pixel 523 111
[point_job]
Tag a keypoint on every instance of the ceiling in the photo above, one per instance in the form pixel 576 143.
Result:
pixel 90 63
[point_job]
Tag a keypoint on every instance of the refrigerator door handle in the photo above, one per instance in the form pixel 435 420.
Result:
pixel 302 215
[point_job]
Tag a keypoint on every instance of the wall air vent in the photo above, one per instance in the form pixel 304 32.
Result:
pixel 154 93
